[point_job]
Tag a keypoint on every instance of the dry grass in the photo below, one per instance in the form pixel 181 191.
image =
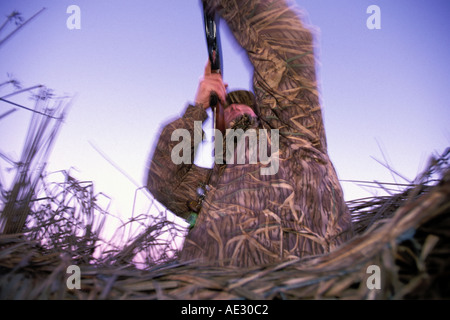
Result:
pixel 406 235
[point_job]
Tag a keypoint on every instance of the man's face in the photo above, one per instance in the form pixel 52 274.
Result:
pixel 235 110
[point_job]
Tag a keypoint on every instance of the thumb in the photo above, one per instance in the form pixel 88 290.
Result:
pixel 208 68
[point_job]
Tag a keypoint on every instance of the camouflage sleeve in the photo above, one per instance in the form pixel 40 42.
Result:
pixel 280 48
pixel 174 185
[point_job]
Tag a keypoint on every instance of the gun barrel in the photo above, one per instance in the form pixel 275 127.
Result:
pixel 212 41
pixel 214 54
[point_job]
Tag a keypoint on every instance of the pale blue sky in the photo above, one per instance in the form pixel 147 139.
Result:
pixel 135 64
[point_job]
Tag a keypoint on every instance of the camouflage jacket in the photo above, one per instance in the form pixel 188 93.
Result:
pixel 248 218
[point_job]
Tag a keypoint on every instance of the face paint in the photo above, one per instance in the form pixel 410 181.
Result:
pixel 236 110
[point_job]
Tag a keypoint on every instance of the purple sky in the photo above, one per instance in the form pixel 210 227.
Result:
pixel 135 64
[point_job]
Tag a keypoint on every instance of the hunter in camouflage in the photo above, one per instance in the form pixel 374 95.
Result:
pixel 246 218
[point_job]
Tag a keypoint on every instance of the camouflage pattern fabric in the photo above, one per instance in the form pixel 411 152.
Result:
pixel 248 218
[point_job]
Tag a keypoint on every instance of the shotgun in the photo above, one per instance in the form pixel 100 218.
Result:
pixel 215 56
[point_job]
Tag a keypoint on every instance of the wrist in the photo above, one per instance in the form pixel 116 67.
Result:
pixel 201 105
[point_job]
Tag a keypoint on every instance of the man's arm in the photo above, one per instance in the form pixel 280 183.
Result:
pixel 280 48
pixel 174 185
